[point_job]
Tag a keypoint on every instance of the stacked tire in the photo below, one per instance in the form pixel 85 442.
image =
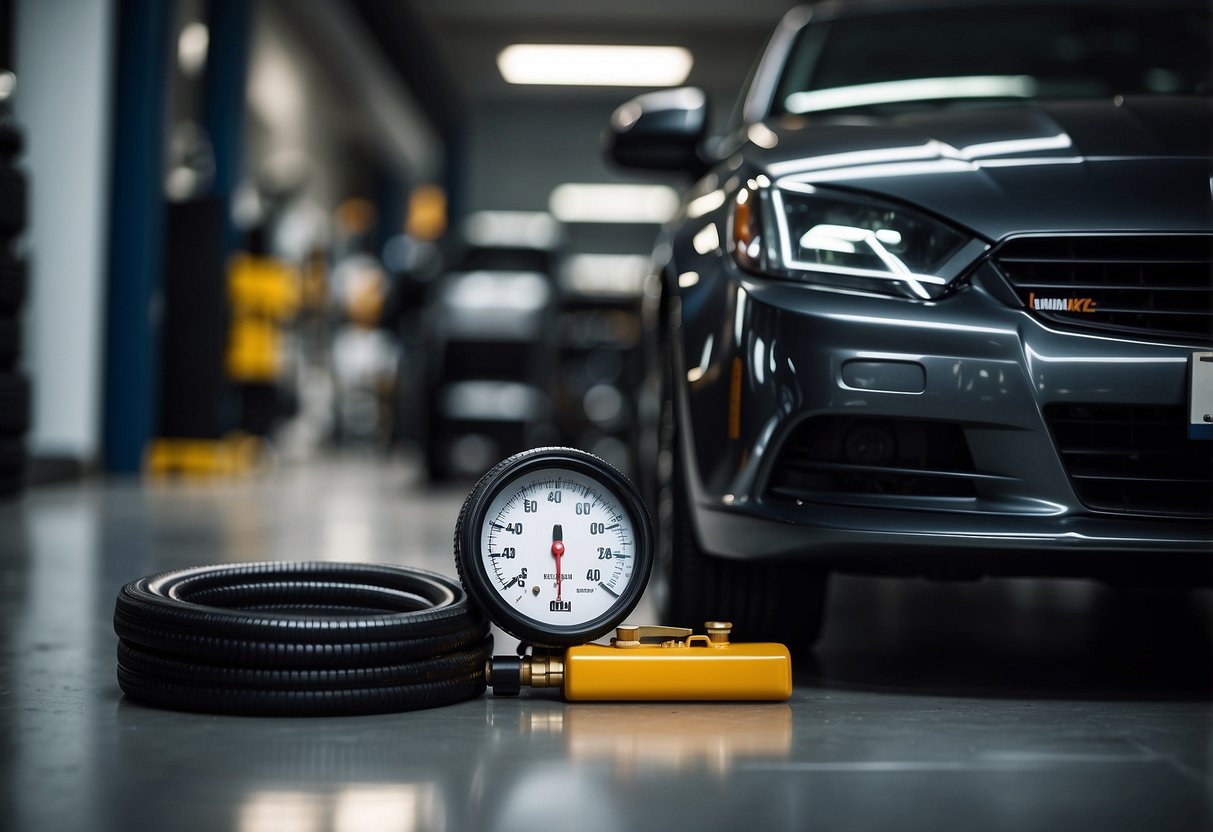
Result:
pixel 14 277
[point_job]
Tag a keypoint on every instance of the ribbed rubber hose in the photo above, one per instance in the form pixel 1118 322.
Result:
pixel 299 639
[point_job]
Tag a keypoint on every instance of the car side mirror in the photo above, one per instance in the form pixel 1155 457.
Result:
pixel 661 130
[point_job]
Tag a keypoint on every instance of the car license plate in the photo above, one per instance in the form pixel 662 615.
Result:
pixel 1200 396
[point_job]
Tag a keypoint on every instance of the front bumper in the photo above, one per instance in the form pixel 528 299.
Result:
pixel 762 364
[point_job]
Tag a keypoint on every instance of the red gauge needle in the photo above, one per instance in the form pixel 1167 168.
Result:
pixel 558 553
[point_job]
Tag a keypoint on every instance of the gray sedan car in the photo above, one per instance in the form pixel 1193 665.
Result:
pixel 937 303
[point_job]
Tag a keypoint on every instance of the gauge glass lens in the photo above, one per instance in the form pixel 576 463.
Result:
pixel 550 517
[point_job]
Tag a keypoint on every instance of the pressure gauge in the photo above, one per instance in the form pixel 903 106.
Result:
pixel 555 545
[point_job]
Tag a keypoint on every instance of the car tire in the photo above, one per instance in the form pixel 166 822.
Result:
pixel 764 601
pixel 782 602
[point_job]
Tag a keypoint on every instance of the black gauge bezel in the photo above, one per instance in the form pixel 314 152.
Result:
pixel 478 582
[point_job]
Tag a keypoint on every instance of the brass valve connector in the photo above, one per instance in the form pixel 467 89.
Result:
pixel 543 670
pixel 507 675
pixel 718 631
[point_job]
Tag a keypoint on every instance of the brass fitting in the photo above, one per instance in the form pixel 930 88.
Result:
pixel 645 635
pixel 543 670
pixel 507 675
pixel 718 632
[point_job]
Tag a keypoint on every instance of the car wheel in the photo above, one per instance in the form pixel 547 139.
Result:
pixel 764 601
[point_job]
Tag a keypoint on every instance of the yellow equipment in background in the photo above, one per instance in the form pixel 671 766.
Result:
pixel 264 293
pixel 237 453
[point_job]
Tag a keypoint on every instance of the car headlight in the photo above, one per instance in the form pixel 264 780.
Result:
pixel 845 240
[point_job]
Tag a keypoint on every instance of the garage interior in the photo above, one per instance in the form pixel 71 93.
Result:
pixel 308 172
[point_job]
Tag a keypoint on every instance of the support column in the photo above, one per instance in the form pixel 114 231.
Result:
pixel 137 232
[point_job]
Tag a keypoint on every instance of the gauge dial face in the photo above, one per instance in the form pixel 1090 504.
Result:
pixel 559 549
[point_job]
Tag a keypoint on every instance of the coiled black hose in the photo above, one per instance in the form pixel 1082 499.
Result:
pixel 299 639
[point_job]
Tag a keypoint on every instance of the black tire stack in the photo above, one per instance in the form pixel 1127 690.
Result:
pixel 14 278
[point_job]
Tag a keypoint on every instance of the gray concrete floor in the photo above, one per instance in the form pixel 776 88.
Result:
pixel 1001 705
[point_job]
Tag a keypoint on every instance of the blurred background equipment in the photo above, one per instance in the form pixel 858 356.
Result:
pixel 192 346
pixel 600 366
pixel 263 297
pixel 364 356
pixel 287 117
pixel 490 345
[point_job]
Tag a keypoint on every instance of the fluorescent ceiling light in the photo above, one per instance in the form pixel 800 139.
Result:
pixel 498 292
pixel 594 202
pixel 594 65
pixel 619 275
pixel 913 89
pixel 510 229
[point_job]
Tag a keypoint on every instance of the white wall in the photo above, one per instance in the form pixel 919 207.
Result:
pixel 64 58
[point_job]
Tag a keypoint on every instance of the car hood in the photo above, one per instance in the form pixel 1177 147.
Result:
pixel 1132 165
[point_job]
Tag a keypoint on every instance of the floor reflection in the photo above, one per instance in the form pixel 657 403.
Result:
pixel 404 807
pixel 667 736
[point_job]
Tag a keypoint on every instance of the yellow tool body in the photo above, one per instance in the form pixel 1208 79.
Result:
pixel 678 667
pixel 684 671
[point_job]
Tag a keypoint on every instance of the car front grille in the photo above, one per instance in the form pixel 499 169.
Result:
pixel 1158 287
pixel 836 458
pixel 1133 458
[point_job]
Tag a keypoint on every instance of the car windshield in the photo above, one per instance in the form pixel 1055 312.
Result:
pixel 901 61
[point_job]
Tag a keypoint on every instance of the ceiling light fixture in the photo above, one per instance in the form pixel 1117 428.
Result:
pixel 605 202
pixel 594 65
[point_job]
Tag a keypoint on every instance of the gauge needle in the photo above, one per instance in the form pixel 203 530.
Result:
pixel 558 553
